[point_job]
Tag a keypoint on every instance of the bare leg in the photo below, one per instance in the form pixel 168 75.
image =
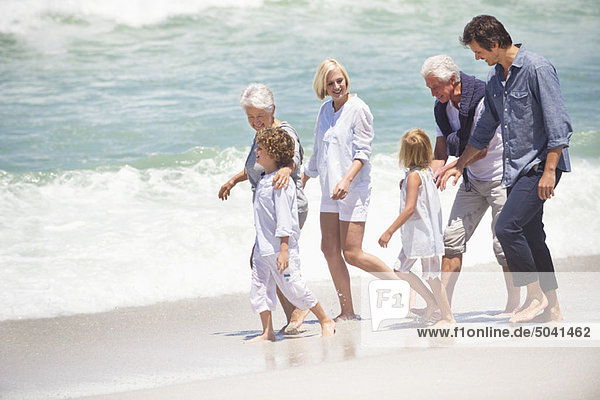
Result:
pixel 535 302
pixel 442 301
pixel 451 267
pixel 267 324
pixel 552 313
pixel 288 308
pixel 351 239
pixel 298 317
pixel 417 284
pixel 513 293
pixel 327 324
pixel 291 312
pixel 294 316
pixel 332 250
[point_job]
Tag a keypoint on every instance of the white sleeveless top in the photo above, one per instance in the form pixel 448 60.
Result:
pixel 422 234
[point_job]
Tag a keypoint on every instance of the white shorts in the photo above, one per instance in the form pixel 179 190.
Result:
pixel 266 278
pixel 353 208
pixel 432 267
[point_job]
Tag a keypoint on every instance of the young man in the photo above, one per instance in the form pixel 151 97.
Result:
pixel 522 96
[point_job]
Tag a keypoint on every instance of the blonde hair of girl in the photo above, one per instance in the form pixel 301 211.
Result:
pixel 415 150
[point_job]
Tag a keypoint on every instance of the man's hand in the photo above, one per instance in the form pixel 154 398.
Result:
pixel 452 172
pixel 441 171
pixel 546 185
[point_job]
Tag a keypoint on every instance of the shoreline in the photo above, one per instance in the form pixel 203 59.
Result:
pixel 190 347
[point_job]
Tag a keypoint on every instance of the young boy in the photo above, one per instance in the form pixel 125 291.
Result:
pixel 276 259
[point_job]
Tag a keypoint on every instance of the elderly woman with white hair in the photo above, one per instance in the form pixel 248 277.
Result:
pixel 258 103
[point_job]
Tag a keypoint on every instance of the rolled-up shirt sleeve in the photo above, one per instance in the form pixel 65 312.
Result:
pixel 557 123
pixel 283 213
pixel 363 134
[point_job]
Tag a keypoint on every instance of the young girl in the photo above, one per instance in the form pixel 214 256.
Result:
pixel 420 223
pixel 276 260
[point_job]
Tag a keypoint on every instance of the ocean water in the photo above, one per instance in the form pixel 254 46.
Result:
pixel 119 121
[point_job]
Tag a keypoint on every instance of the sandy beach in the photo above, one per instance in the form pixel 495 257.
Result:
pixel 194 349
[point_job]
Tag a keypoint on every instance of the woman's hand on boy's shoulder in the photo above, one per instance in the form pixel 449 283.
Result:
pixel 282 178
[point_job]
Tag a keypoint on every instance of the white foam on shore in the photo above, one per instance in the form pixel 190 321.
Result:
pixel 91 240
pixel 22 16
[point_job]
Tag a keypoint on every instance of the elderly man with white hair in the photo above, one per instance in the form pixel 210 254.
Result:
pixel 458 106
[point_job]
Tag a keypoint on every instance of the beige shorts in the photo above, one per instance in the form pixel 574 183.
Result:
pixel 467 211
pixel 353 208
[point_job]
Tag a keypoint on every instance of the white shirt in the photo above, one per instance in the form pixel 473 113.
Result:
pixel 488 168
pixel 422 233
pixel 340 138
pixel 275 216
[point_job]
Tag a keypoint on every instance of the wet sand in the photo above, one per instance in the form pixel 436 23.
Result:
pixel 194 349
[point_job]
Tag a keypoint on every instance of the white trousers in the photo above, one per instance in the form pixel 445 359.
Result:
pixel 266 278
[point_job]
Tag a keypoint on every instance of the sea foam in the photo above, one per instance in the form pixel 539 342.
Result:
pixel 91 240
pixel 21 16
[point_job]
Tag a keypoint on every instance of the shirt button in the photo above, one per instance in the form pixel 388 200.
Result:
pixel 505 126
pixel 506 109
pixel 505 92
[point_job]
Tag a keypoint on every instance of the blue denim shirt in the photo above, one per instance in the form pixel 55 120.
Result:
pixel 531 111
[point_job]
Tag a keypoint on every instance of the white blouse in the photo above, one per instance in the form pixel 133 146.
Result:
pixel 340 138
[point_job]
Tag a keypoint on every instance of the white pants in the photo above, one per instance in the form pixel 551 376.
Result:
pixel 266 278
pixel 432 267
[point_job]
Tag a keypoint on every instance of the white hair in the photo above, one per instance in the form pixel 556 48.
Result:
pixel 442 67
pixel 259 96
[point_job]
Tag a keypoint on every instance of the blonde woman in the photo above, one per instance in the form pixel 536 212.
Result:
pixel 342 149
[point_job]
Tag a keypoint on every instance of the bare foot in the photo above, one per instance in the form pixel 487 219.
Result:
pixel 508 312
pixel 298 317
pixel 422 311
pixel 291 329
pixel 504 314
pixel 511 309
pixel 347 317
pixel 444 322
pixel 328 328
pixel 530 310
pixel 549 315
pixel 431 314
pixel 261 338
pixel 418 311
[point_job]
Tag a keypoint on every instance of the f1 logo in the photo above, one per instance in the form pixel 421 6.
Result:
pixel 388 299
